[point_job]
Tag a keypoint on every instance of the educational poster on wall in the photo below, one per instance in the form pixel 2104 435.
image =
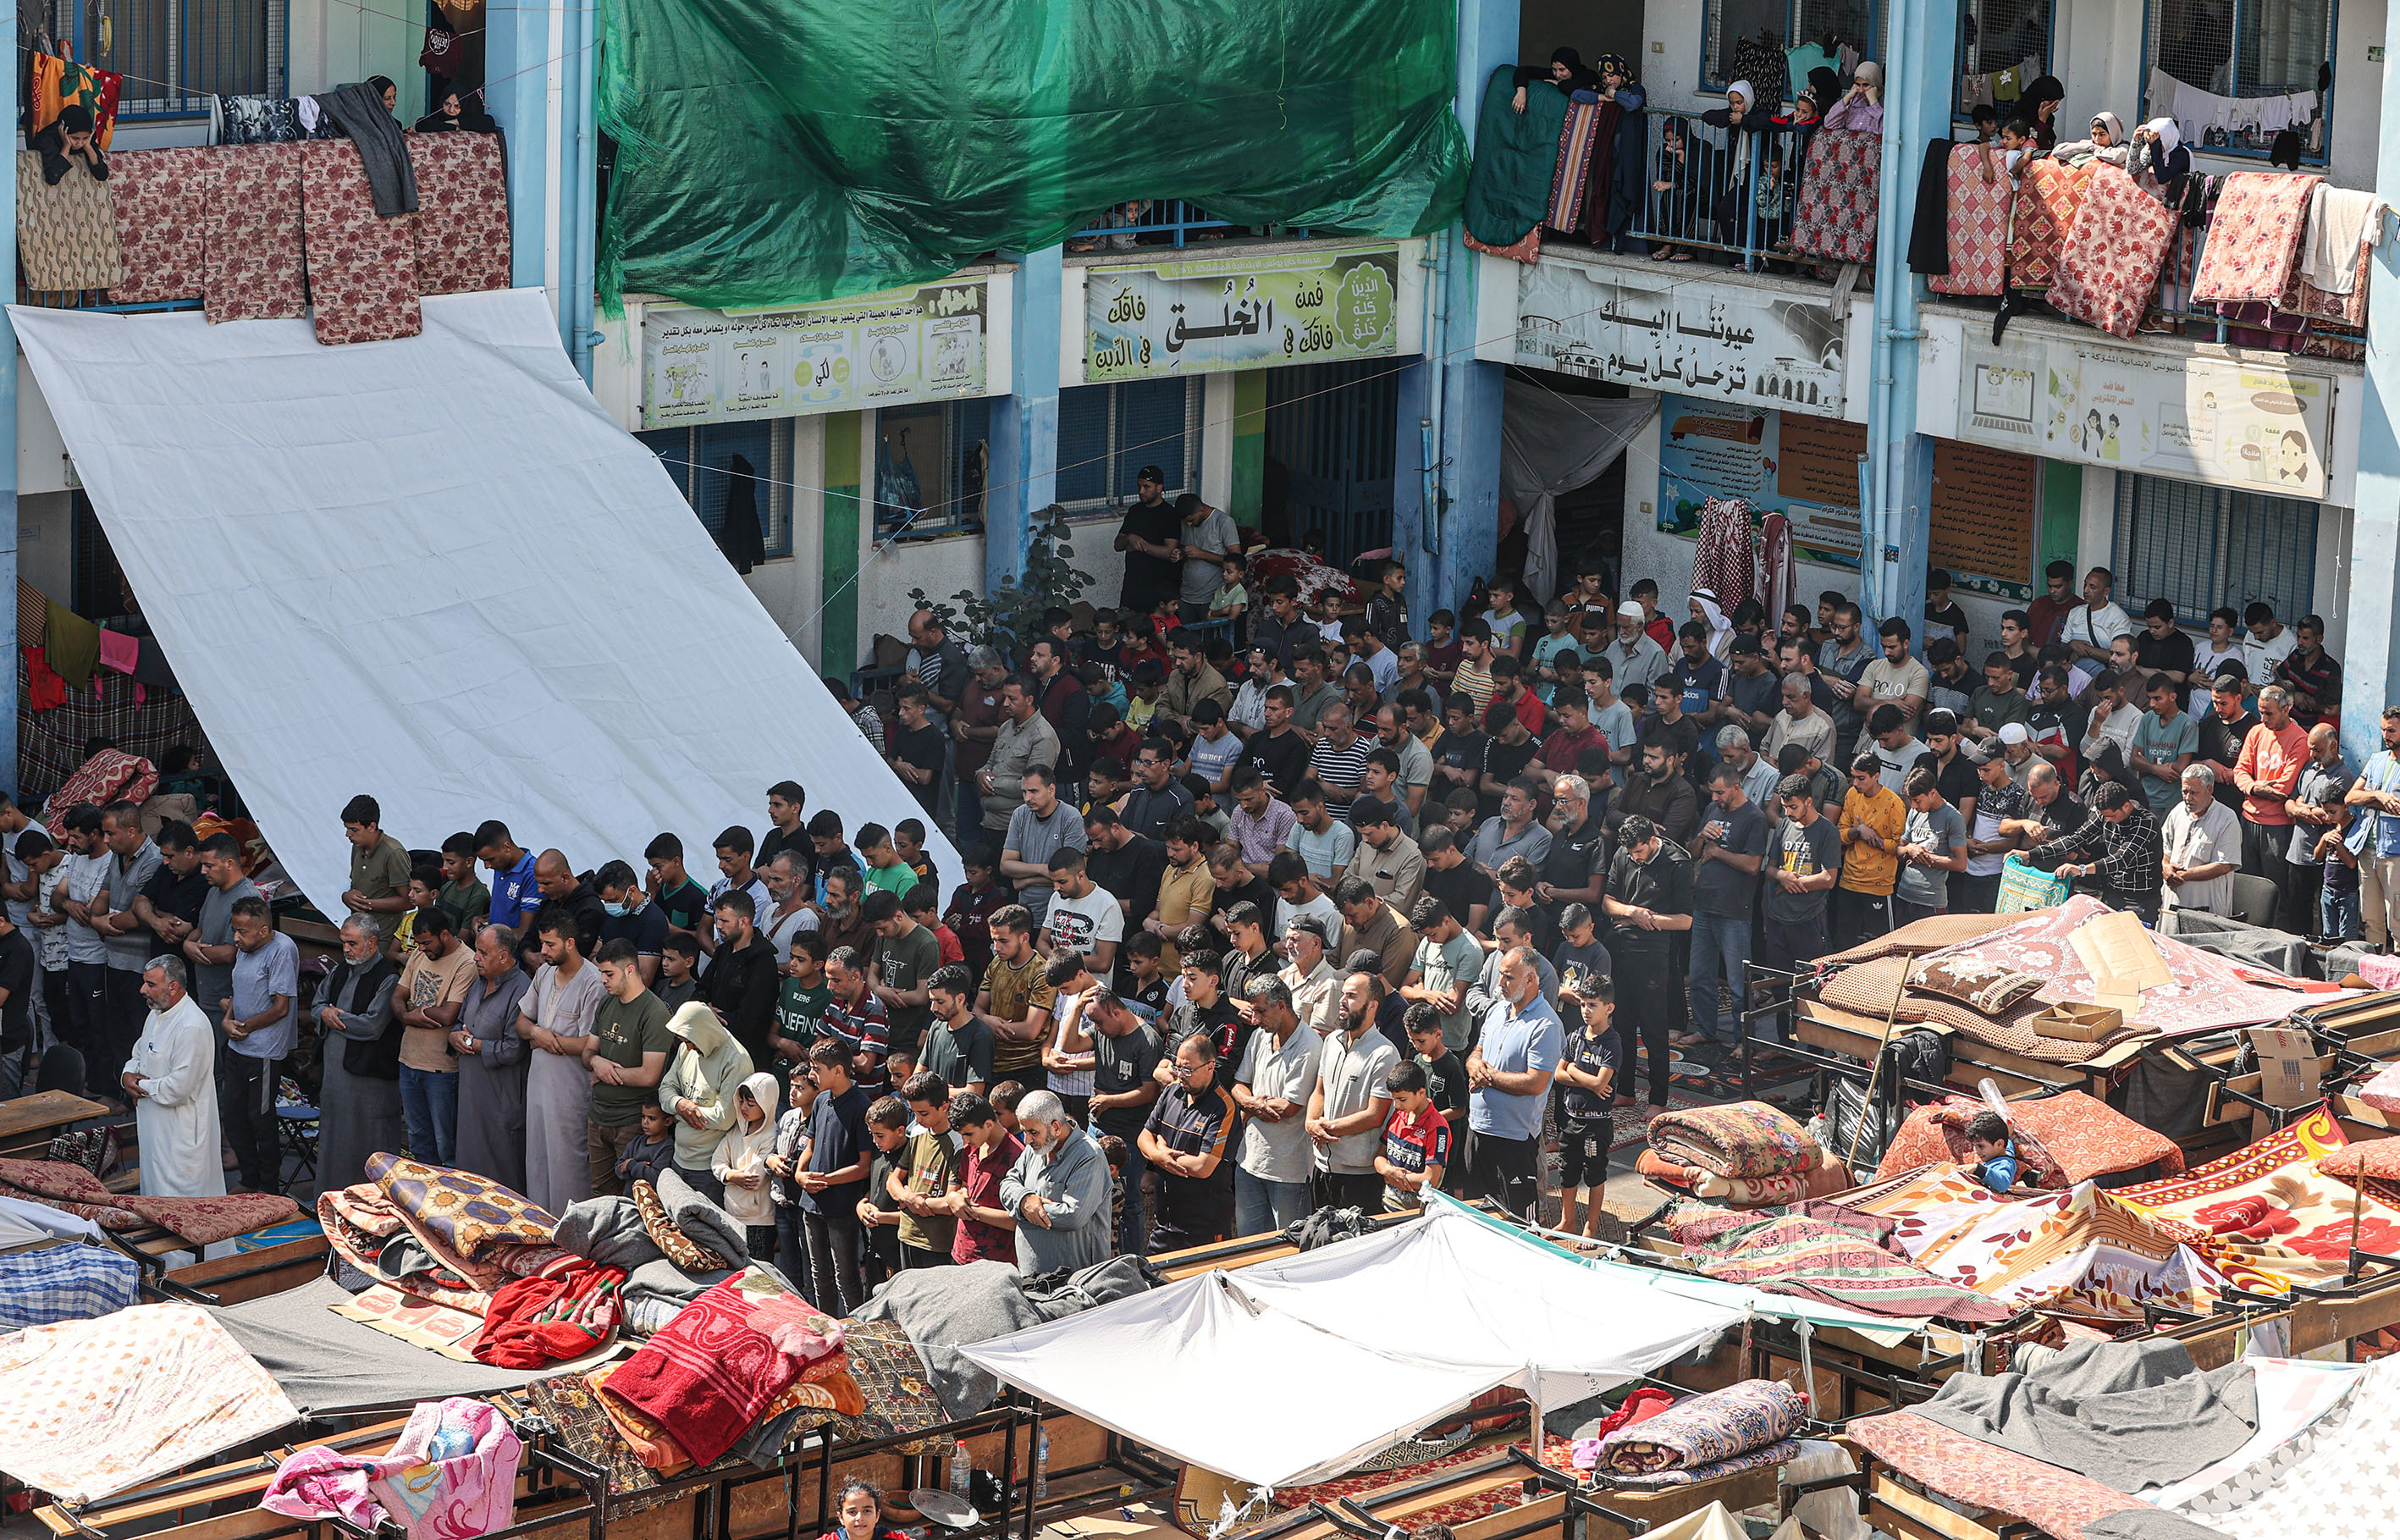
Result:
pixel 919 343
pixel 2254 426
pixel 1986 508
pixel 1718 342
pixel 1241 312
pixel 1805 469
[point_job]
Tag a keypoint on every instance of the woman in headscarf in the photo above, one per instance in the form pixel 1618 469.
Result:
pixel 1614 193
pixel 1860 110
pixel 455 117
pixel 1743 121
pixel 697 1091
pixel 492 1063
pixel 2108 142
pixel 70 140
pixel 1682 187
pixel 2160 158
pixel 1565 70
pixel 2038 108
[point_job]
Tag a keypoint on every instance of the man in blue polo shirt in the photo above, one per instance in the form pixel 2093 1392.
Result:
pixel 2377 790
pixel 514 897
pixel 1508 1079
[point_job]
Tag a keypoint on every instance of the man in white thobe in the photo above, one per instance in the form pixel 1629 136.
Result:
pixel 172 1077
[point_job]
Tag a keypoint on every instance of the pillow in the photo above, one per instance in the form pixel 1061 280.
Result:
pixel 1987 986
pixel 2378 1158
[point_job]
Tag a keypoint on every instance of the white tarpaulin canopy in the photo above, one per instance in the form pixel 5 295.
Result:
pixel 1373 1338
pixel 434 570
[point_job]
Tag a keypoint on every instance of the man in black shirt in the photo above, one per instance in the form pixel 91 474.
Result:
pixel 1452 879
pixel 1150 538
pixel 1125 864
pixel 915 748
pixel 1280 752
pixel 742 982
pixel 17 976
pixel 1649 898
pixel 1457 756
pixel 1575 869
pixel 2226 724
pixel 2162 648
pixel 1506 751
pixel 170 902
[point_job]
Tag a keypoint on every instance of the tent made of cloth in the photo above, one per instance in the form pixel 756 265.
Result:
pixel 403 567
pixel 1178 1368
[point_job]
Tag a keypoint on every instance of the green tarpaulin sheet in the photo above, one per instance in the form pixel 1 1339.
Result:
pixel 1516 155
pixel 774 152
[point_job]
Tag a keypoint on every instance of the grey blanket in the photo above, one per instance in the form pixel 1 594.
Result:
pixel 944 1309
pixel 608 1231
pixel 330 1364
pixel 701 1221
pixel 2250 945
pixel 358 111
pixel 2128 1415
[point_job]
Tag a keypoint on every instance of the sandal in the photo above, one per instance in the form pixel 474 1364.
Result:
pixel 1681 256
pixel 1662 253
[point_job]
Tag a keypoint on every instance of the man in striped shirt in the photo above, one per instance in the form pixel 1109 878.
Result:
pixel 1186 1137
pixel 1339 761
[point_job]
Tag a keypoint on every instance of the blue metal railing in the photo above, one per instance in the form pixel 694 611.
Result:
pixel 1170 221
pixel 1696 201
pixel 175 54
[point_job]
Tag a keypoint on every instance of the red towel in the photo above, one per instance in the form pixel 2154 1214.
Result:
pixel 543 1320
pixel 712 1373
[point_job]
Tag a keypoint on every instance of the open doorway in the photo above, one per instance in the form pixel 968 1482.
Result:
pixel 1330 439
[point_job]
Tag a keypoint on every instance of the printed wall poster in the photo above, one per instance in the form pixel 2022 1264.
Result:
pixel 1805 469
pixel 919 343
pixel 1986 508
pixel 1241 312
pixel 2255 427
pixel 1709 341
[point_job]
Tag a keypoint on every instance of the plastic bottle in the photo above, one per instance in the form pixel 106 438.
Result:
pixel 960 1467
pixel 1042 1466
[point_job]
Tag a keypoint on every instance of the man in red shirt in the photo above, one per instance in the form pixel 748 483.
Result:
pixel 2272 756
pixel 1509 680
pixel 987 1232
pixel 2044 616
pixel 1570 709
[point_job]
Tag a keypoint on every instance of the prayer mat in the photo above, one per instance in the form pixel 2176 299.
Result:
pixel 445 1329
pixel 66 234
pixel 280 1234
pixel 891 1383
pixel 2254 238
pixel 2047 196
pixel 161 202
pixel 1840 185
pixel 1630 1125
pixel 362 267
pixel 1978 236
pixel 2108 265
pixel 251 245
pixel 462 213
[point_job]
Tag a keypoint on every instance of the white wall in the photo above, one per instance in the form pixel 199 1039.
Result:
pixel 46 542
pixel 333 43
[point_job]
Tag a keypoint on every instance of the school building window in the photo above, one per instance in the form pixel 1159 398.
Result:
pixel 2206 545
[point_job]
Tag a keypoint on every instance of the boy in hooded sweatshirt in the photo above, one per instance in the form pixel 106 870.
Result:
pixel 741 1161
pixel 698 1092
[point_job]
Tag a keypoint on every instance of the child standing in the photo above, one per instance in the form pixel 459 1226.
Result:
pixel 791 1246
pixel 1589 1069
pixel 1416 1140
pixel 646 1156
pixel 740 1162
pixel 2337 900
pixel 879 1212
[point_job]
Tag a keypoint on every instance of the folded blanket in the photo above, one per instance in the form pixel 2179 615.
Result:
pixel 702 1221
pixel 608 1231
pixel 539 1320
pixel 470 1215
pixel 451 1475
pixel 1744 1138
pixel 364 1208
pixel 1780 1453
pixel 655 1444
pixel 687 1254
pixel 1839 1263
pixel 718 1366
pixel 365 1254
pixel 202 1222
pixel 1702 1430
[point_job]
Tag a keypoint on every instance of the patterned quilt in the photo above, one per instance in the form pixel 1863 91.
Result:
pixel 1978 225
pixel 2047 196
pixel 2254 238
pixel 1987 1475
pixel 1704 1430
pixel 1840 187
pixel 1749 1140
pixel 2108 265
pixel 2062 1139
pixel 2267 1205
pixel 1817 1259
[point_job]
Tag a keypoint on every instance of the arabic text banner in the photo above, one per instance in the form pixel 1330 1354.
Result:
pixel 1241 312
pixel 1805 469
pixel 887 349
pixel 2193 417
pixel 1679 333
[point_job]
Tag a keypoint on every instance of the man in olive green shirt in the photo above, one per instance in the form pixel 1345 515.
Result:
pixel 905 956
pixel 627 1054
pixel 927 1170
pixel 378 865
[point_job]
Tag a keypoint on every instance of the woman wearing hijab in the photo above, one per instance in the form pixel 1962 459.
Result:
pixel 2108 142
pixel 1743 121
pixel 492 1063
pixel 1860 111
pixel 2038 108
pixel 1565 70
pixel 454 116
pixel 70 139
pixel 1681 185
pixel 2160 158
pixel 1613 192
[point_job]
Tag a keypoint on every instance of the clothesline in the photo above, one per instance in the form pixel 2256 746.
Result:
pixel 479 91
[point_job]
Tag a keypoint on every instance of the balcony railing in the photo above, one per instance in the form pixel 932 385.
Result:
pixel 1145 222
pixel 175 54
pixel 1704 206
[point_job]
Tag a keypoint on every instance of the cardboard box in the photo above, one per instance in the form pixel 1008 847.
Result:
pixel 2291 1073
pixel 2074 1023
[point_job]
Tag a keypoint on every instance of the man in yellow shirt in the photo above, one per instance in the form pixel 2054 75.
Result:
pixel 1873 817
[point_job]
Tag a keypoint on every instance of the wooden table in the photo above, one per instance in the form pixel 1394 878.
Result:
pixel 27 1122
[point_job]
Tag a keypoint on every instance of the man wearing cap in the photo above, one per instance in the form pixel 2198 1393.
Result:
pixel 1314 985
pixel 2016 741
pixel 1391 862
pixel 1206 534
pixel 2000 801
pixel 1632 657
pixel 1150 538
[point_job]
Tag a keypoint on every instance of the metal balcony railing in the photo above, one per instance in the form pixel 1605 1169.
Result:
pixel 1697 198
pixel 1170 221
pixel 176 54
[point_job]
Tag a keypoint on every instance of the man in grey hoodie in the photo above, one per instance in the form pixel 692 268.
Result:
pixel 1060 1188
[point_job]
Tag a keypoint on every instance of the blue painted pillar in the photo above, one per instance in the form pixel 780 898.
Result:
pixel 1448 524
pixel 2371 655
pixel 1025 423
pixel 1898 519
pixel 522 45
pixel 9 440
